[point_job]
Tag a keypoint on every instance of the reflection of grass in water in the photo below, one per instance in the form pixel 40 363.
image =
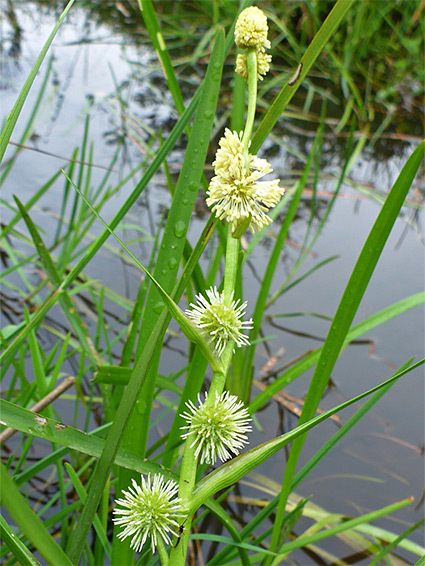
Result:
pixel 114 342
pixel 371 68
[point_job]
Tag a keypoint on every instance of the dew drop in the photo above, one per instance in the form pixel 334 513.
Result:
pixel 164 272
pixel 179 229
pixel 158 307
pixel 140 406
pixel 172 263
pixel 208 114
pixel 185 201
pixel 193 186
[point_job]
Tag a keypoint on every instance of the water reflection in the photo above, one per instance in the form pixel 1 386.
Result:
pixel 126 117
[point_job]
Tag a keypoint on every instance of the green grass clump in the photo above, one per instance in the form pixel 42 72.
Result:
pixel 105 463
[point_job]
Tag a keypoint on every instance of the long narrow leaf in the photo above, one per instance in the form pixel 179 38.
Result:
pixel 320 39
pixel 97 244
pixel 43 427
pixel 23 556
pixel 30 524
pixel 346 311
pixel 345 525
pixel 16 110
pixel 189 330
pixel 357 330
pixel 231 472
pixel 129 398
pixel 70 311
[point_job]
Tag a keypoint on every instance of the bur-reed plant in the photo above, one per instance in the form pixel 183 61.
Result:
pixel 156 503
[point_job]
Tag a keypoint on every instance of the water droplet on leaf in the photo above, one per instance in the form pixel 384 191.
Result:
pixel 179 229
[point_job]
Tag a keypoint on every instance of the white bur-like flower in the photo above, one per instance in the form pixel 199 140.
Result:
pixel 150 510
pixel 251 29
pixel 218 429
pixel 235 193
pixel 220 322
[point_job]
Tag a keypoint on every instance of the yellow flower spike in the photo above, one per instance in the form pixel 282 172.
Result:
pixel 235 193
pixel 263 65
pixel 251 29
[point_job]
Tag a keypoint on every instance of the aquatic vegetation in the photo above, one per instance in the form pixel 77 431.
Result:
pixel 152 487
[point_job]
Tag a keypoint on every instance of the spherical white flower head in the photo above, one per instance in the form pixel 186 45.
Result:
pixel 219 321
pixel 251 29
pixel 150 510
pixel 236 194
pixel 263 65
pixel 218 429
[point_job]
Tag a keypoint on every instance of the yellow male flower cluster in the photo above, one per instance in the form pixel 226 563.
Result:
pixel 251 32
pixel 237 194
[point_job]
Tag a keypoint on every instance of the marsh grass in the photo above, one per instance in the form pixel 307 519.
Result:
pixel 122 354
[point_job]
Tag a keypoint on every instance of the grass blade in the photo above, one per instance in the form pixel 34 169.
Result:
pixel 157 39
pixel 65 301
pixel 43 427
pixel 328 28
pixel 231 472
pixel 356 331
pixel 16 110
pixel 347 308
pixel 188 329
pixel 79 488
pixel 17 548
pixel 395 542
pixel 345 525
pixel 31 525
pixel 97 244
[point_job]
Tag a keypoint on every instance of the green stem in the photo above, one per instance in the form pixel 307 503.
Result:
pixel 231 265
pixel 189 462
pixel 251 62
pixel 217 384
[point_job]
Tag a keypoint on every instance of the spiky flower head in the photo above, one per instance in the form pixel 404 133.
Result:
pixel 218 429
pixel 150 510
pixel 235 193
pixel 251 29
pixel 219 321
pixel 263 65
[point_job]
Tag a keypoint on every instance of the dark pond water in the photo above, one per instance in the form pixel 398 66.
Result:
pixel 382 459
